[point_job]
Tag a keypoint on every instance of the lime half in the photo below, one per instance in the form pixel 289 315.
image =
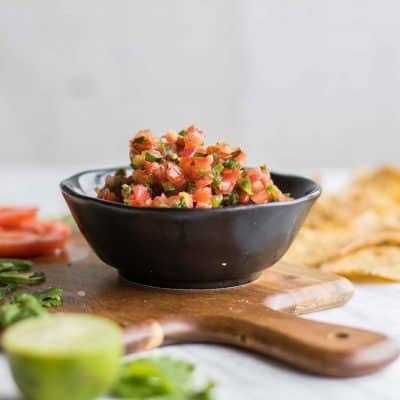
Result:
pixel 64 356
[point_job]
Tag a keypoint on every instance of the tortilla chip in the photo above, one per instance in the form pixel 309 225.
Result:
pixel 374 192
pixel 379 261
pixel 355 232
pixel 313 248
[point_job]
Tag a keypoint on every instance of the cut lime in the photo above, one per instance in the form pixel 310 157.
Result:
pixel 64 356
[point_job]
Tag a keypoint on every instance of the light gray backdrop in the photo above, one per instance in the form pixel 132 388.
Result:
pixel 299 84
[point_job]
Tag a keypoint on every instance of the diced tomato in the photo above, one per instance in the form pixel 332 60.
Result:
pixel 175 175
pixel 257 186
pixel 34 239
pixel 142 177
pixel 140 196
pixel 261 197
pixel 143 140
pixel 201 183
pixel 240 158
pixel 203 198
pixel 196 168
pixel 254 174
pixel 171 136
pixel 228 180
pixel 194 136
pixel 244 198
pixel 13 217
pixel 221 150
pixel 160 201
pixel 174 166
pixel 107 194
pixel 188 151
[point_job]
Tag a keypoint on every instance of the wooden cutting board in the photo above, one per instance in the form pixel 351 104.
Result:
pixel 259 316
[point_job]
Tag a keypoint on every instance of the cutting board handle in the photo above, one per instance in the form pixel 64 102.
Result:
pixel 316 347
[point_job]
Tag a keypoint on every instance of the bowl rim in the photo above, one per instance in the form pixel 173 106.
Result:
pixel 67 183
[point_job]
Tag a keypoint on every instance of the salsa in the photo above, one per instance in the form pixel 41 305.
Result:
pixel 178 170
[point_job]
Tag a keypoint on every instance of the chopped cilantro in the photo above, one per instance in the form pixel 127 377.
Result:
pixel 152 157
pixel 231 164
pixel 139 140
pixel 168 186
pixel 236 153
pixel 120 172
pixel 191 187
pixel 162 378
pixel 231 200
pixel 183 132
pixel 126 190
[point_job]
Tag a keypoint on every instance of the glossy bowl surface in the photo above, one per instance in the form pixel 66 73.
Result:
pixel 188 248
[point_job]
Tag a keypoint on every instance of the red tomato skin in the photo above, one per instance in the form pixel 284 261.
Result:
pixel 194 136
pixel 188 151
pixel 13 217
pixel 244 198
pixel 160 201
pixel 34 239
pixel 201 183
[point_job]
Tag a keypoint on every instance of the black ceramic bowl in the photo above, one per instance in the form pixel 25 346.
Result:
pixel 188 248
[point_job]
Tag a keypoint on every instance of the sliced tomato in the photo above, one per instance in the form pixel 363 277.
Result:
pixel 13 217
pixel 33 239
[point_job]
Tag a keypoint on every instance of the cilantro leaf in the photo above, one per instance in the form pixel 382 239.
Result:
pixel 162 378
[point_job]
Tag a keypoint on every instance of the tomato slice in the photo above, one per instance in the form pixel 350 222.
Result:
pixel 33 239
pixel 13 217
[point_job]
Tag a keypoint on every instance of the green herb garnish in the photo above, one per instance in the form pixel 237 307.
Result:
pixel 197 154
pixel 151 157
pixel 236 153
pixel 245 185
pixel 183 132
pixel 231 200
pixel 216 174
pixel 120 172
pixel 161 378
pixel 139 140
pixel 231 164
pixel 168 186
pixel 191 187
pixel 273 191
pixel 126 190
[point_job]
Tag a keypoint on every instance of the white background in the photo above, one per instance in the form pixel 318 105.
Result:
pixel 298 84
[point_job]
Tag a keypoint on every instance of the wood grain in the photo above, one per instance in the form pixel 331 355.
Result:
pixel 256 316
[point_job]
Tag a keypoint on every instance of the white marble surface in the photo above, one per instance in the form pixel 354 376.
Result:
pixel 242 375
